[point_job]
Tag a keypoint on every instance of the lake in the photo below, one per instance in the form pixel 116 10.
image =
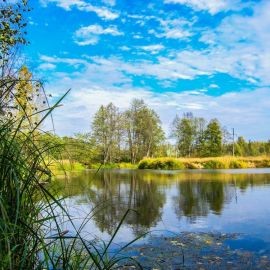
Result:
pixel 168 202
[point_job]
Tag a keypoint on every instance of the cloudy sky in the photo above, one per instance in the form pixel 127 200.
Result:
pixel 211 57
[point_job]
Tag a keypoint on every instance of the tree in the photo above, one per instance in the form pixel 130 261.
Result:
pixel 189 134
pixel 183 131
pixel 199 143
pixel 26 98
pixel 105 130
pixel 143 130
pixel 12 24
pixel 241 147
pixel 213 139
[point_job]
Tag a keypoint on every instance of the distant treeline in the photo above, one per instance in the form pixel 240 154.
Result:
pixel 136 133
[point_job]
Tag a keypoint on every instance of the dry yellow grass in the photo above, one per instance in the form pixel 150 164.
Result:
pixel 225 162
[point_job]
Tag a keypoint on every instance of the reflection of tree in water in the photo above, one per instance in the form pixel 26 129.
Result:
pixel 196 198
pixel 115 193
pixel 189 201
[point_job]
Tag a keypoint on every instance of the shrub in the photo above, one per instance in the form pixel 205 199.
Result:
pixel 238 164
pixel 214 164
pixel 265 163
pixel 161 164
pixel 193 165
pixel 125 165
pixel 144 164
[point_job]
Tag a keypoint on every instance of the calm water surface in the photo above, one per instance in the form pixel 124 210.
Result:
pixel 231 201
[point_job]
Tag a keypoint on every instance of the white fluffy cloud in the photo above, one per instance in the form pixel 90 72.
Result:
pixel 102 12
pixel 175 28
pixel 46 66
pixel 101 82
pixel 239 46
pixel 153 49
pixel 89 35
pixel 243 44
pixel 234 110
pixel 212 6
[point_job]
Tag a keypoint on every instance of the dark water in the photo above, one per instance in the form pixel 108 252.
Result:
pixel 232 201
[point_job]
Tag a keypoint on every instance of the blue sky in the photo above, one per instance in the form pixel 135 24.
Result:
pixel 208 57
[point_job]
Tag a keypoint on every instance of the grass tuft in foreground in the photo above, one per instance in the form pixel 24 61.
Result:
pixel 32 218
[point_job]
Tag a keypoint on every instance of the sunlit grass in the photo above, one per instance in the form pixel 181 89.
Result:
pixel 226 162
pixel 60 167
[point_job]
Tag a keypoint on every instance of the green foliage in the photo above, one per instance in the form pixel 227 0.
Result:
pixel 264 163
pixel 53 143
pixel 64 166
pixel 106 129
pixel 213 139
pixel 12 26
pixel 18 177
pixel 214 164
pixel 238 164
pixel 189 134
pixel 121 165
pixel 184 132
pixel 161 164
pixel 80 148
pixel 126 136
pixel 192 165
pixel 143 131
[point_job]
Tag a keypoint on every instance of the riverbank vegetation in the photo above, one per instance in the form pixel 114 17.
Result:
pixel 62 167
pixel 127 137
pixel 124 139
pixel 226 162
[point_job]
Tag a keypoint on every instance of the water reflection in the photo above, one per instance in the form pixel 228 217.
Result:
pixel 188 194
pixel 197 198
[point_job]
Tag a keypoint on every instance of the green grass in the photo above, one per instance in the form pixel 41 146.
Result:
pixel 60 167
pixel 121 165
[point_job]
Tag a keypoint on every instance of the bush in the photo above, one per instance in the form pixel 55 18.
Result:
pixel 144 164
pixel 126 165
pixel 214 164
pixel 238 164
pixel 161 164
pixel 193 165
pixel 265 163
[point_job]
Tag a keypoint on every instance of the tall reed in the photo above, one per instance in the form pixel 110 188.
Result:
pixel 31 234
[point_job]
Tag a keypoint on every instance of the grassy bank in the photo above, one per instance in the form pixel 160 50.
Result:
pixel 61 167
pixel 166 163
pixel 226 162
pixel 121 165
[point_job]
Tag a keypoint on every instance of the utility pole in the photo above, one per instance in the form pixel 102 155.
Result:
pixel 233 143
